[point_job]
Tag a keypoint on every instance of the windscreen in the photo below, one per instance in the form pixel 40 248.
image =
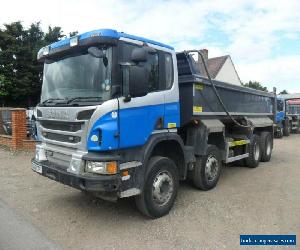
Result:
pixel 80 75
pixel 279 105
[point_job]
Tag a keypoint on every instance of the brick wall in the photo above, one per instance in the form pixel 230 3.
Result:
pixel 28 145
pixel 19 130
pixel 18 140
pixel 6 140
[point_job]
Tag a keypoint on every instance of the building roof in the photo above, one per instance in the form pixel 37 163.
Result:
pixel 215 64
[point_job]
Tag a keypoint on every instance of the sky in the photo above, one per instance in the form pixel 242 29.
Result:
pixel 261 36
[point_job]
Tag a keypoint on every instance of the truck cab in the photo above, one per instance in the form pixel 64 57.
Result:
pixel 287 116
pixel 116 122
pixel 105 94
pixel 281 121
pixel 293 113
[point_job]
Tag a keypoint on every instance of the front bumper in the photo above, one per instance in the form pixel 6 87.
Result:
pixel 86 182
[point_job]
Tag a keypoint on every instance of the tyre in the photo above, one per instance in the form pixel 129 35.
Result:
pixel 286 127
pixel 291 127
pixel 266 146
pixel 297 130
pixel 160 189
pixel 279 134
pixel 207 170
pixel 254 152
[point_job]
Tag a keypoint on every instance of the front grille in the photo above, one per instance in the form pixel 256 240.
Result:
pixel 60 160
pixel 63 126
pixel 62 138
pixel 39 113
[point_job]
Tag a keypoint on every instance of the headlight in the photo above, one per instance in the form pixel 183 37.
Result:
pixel 101 167
pixel 46 50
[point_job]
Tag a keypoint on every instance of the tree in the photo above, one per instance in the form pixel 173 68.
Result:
pixel 283 92
pixel 20 73
pixel 13 58
pixel 255 85
pixel 4 88
pixel 53 35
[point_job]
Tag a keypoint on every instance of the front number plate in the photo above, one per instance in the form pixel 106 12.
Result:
pixel 37 168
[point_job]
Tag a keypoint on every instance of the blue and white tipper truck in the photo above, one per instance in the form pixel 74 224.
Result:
pixel 122 116
pixel 288 115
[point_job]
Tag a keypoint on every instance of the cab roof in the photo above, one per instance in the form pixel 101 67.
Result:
pixel 109 33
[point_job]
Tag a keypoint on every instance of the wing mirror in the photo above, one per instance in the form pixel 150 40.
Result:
pixel 138 81
pixel 139 55
pixel 96 52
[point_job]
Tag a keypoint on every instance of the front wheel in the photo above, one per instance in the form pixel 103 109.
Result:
pixel 160 190
pixel 207 170
pixel 279 133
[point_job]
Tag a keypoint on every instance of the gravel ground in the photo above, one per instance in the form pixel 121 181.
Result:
pixel 264 200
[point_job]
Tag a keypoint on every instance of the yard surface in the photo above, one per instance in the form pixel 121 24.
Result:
pixel 264 200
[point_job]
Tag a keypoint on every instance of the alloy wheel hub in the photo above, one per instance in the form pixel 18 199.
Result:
pixel 211 168
pixel 163 187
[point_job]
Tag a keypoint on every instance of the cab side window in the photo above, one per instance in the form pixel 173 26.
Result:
pixel 169 72
pixel 159 66
pixel 153 71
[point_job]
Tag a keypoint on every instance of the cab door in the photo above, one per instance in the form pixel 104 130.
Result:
pixel 140 116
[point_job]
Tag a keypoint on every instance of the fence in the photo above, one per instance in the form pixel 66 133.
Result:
pixel 14 131
pixel 5 121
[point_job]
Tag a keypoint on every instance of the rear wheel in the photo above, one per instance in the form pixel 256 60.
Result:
pixel 297 130
pixel 266 146
pixel 290 127
pixel 207 170
pixel 286 127
pixel 254 152
pixel 160 190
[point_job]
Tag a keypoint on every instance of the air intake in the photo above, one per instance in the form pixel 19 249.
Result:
pixel 85 115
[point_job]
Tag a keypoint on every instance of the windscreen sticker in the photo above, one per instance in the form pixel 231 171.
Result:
pixel 197 109
pixel 198 86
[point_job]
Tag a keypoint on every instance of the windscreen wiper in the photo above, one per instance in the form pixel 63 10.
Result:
pixel 50 100
pixel 81 98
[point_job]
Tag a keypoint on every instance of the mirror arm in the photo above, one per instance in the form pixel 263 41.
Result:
pixel 115 90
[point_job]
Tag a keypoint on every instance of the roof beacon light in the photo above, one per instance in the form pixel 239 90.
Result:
pixel 74 41
pixel 46 50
